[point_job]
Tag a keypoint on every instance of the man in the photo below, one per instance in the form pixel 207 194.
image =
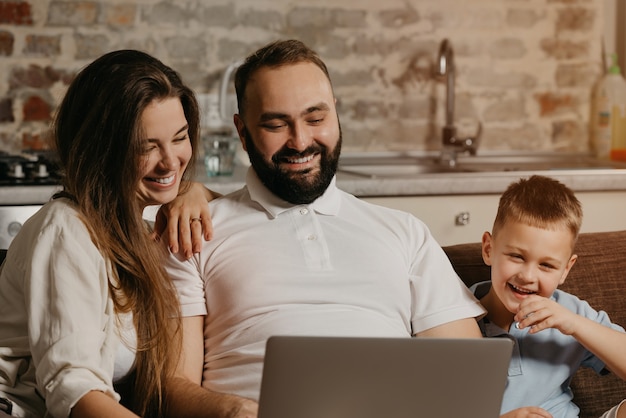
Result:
pixel 293 254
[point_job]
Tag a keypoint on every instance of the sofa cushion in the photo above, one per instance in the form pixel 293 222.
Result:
pixel 599 277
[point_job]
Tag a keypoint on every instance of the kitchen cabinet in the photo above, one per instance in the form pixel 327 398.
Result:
pixel 456 219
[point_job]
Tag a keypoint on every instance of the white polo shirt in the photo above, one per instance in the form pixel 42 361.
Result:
pixel 338 266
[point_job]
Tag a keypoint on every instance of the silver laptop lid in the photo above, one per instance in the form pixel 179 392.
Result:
pixel 337 377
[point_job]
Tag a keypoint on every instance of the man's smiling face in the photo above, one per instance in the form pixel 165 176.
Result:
pixel 291 131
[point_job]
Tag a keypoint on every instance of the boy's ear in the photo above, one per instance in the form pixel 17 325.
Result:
pixel 487 248
pixel 570 263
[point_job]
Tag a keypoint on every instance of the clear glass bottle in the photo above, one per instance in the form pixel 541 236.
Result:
pixel 609 115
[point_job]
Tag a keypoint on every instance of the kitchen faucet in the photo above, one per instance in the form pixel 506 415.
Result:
pixel 223 92
pixel 451 145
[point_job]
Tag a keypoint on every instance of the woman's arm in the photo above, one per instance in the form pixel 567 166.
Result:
pixel 97 404
pixel 67 297
pixel 186 220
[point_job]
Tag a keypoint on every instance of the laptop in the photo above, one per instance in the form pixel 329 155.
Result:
pixel 355 377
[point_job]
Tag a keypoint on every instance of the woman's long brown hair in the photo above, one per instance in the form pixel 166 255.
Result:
pixel 98 134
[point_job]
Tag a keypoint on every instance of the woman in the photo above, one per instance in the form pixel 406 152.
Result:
pixel 84 300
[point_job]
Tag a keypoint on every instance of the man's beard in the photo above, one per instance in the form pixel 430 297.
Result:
pixel 297 187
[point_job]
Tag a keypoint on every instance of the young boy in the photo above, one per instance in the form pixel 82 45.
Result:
pixel 530 251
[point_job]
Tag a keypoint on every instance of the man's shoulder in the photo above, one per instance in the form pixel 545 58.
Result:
pixel 232 205
pixel 238 196
pixel 363 205
pixel 368 213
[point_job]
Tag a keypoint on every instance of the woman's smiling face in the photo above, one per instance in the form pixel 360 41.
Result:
pixel 167 151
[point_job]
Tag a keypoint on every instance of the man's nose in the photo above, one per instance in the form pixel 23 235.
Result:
pixel 300 137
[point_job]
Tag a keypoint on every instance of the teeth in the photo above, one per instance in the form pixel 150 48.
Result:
pixel 300 160
pixel 519 289
pixel 166 180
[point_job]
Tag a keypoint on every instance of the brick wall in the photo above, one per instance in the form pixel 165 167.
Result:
pixel 525 68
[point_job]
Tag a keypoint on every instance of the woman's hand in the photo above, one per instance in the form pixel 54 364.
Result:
pixel 186 220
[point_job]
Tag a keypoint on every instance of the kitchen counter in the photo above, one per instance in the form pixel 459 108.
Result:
pixel 423 185
pixel 477 183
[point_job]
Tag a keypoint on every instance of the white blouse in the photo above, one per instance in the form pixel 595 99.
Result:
pixel 58 332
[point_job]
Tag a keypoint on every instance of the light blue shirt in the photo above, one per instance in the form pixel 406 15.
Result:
pixel 543 364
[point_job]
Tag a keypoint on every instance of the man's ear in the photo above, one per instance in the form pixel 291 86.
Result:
pixel 487 247
pixel 570 263
pixel 241 128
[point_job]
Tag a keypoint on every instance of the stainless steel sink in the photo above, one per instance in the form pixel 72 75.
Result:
pixel 394 169
pixel 389 166
pixel 403 166
pixel 401 170
pixel 540 162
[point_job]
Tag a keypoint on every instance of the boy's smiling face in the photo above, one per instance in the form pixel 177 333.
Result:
pixel 527 260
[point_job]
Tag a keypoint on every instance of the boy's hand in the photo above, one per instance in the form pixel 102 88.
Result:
pixel 539 313
pixel 527 412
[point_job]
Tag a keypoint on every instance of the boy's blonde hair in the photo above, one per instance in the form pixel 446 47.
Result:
pixel 541 202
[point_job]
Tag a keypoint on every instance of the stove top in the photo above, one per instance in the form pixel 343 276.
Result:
pixel 29 168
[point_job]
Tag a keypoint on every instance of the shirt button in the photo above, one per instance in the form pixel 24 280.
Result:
pixel 304 211
pixel 311 237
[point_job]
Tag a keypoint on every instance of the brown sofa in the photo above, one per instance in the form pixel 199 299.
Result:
pixel 599 276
